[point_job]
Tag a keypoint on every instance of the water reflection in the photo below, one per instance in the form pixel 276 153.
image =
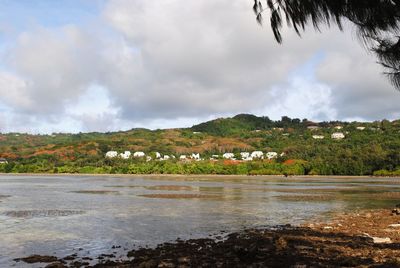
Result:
pixel 60 214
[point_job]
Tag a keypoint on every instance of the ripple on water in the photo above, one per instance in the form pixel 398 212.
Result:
pixel 169 188
pixel 305 198
pixel 95 192
pixel 2 196
pixel 41 213
pixel 180 196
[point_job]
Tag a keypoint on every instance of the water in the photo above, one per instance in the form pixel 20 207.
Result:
pixel 58 215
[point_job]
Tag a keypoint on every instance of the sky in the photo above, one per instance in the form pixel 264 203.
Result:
pixel 107 65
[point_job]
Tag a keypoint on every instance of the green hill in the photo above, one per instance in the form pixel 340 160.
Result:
pixel 367 148
pixel 234 125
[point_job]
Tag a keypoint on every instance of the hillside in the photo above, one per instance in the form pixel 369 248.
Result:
pixel 234 125
pixel 366 149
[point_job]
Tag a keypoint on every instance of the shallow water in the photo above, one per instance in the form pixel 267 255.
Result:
pixel 58 215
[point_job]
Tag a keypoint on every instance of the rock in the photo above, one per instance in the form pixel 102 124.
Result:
pixel 148 264
pixel 55 265
pixel 396 211
pixel 378 240
pixel 37 258
pixel 381 240
pixel 70 257
pixel 165 264
pixel 280 244
pixel 394 225
pixel 328 228
pixel 183 259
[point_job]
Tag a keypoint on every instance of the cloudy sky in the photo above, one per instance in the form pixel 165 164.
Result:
pixel 102 65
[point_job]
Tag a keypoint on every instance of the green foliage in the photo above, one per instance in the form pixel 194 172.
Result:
pixel 372 151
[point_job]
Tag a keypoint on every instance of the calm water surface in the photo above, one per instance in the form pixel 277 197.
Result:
pixel 58 215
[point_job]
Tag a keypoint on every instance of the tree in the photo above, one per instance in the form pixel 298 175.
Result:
pixel 376 21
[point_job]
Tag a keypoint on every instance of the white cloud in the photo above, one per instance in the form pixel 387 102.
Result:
pixel 13 91
pixel 56 66
pixel 301 98
pixel 165 63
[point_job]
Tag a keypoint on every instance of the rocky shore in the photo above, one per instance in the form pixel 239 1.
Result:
pixel 363 239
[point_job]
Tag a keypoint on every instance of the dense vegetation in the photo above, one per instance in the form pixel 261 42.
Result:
pixel 374 150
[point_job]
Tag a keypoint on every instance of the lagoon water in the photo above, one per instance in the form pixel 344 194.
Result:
pixel 61 215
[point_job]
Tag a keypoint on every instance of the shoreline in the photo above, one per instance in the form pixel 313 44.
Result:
pixel 361 238
pixel 204 175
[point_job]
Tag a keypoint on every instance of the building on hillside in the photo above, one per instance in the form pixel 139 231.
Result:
pixel 272 155
pixel 360 128
pixel 228 156
pixel 338 127
pixel 195 156
pixel 248 158
pixel 318 137
pixel 3 160
pixel 337 136
pixel 139 154
pixel 166 157
pixel 244 155
pixel 158 155
pixel 182 157
pixel 257 154
pixel 125 155
pixel 111 154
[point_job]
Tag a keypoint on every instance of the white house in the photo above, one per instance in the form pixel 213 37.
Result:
pixel 195 156
pixel 337 136
pixel 360 128
pixel 215 156
pixel 166 157
pixel 318 137
pixel 271 155
pixel 111 154
pixel 338 127
pixel 244 155
pixel 182 157
pixel 3 161
pixel 228 155
pixel 257 154
pixel 158 155
pixel 248 158
pixel 148 158
pixel 139 154
pixel 125 155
